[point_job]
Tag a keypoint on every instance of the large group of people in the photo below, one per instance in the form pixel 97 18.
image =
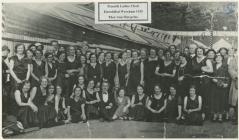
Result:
pixel 44 86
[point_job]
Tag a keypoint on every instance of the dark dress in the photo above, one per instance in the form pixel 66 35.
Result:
pixel 183 86
pixel 107 114
pixel 75 109
pixel 52 71
pixel 6 86
pixel 134 78
pixel 194 118
pixel 138 112
pixel 94 73
pixel 61 71
pixel 150 77
pixel 109 71
pixel 219 93
pixel 156 104
pixel 167 81
pixel 61 114
pixel 92 110
pixel 172 107
pixel 70 81
pixel 25 114
pixel 122 71
pixel 38 71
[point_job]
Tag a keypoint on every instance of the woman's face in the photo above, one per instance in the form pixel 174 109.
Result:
pixel 186 50
pixel 26 87
pixel 93 59
pixel 160 52
pixel 231 52
pixel 135 55
pixel 176 55
pixel 62 57
pixel 105 86
pixel 157 89
pixel 128 53
pixel 77 92
pixel 223 52
pixel 40 47
pixel 143 54
pixel 61 49
pixel 140 90
pixel 83 59
pixel 44 82
pixel 81 80
pixel 58 90
pixel 199 52
pixel 124 56
pixel 78 52
pixel 172 49
pixel 121 93
pixel 192 91
pixel 116 57
pixel 71 51
pixel 50 58
pixel 172 91
pixel 88 55
pixel 51 89
pixel 20 49
pixel 152 53
pixel 101 56
pixel 218 59
pixel 33 48
pixel 183 59
pixel 29 54
pixel 211 55
pixel 168 55
pixel 5 53
pixel 38 54
pixel 91 84
pixel 108 57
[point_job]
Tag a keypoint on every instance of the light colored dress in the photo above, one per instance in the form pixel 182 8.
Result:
pixel 233 71
pixel 119 111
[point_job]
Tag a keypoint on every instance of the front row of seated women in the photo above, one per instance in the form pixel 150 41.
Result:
pixel 42 106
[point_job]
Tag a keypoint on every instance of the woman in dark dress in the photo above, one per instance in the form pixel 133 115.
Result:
pixel 109 70
pixel 183 81
pixel 193 108
pixel 29 55
pixel 51 68
pixel 168 72
pixel 94 70
pixel 122 70
pixel 174 105
pixel 38 68
pixel 138 105
pixel 76 107
pixel 200 65
pixel 20 68
pixel 72 70
pixel 60 105
pixel 25 109
pixel 136 74
pixel 92 101
pixel 219 89
pixel 156 105
pixel 83 68
pixel 61 71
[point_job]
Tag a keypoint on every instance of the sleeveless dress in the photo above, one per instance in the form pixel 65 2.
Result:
pixel 75 109
pixel 194 118
pixel 39 71
pixel 156 104
pixel 25 114
pixel 122 71
pixel 139 111
pixel 134 78
pixel 183 86
pixel 120 105
pixel 167 81
pixel 52 71
pixel 172 107
pixel 92 110
pixel 20 67
pixel 60 80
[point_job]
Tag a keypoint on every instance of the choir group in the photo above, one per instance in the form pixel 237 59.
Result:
pixel 58 85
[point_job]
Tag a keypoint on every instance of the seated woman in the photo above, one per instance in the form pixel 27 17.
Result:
pixel 174 105
pixel 138 105
pixel 60 105
pixel 193 108
pixel 76 107
pixel 156 105
pixel 123 104
pixel 43 97
pixel 25 109
pixel 92 101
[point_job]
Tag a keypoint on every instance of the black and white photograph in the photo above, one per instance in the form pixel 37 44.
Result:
pixel 66 75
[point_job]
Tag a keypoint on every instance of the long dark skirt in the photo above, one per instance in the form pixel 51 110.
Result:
pixel 76 117
pixel 194 118
pixel 218 99
pixel 92 111
pixel 205 92
pixel 27 117
pixel 138 113
pixel 69 83
pixel 46 114
pixel 155 117
pixel 107 114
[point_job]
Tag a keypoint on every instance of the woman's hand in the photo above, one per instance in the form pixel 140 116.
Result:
pixel 108 107
pixel 65 111
pixel 214 80
pixel 178 118
pixel 125 109
pixel 34 108
pixel 141 82
pixel 180 78
pixel 19 81
pixel 83 116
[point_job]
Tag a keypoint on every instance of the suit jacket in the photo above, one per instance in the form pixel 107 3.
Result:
pixel 110 99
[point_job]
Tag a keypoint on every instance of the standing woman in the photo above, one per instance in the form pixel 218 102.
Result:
pixel 20 69
pixel 210 54
pixel 51 68
pixel 122 70
pixel 156 105
pixel 224 52
pixel 61 70
pixel 37 68
pixel 92 101
pixel 94 70
pixel 83 69
pixel 161 54
pixel 219 89
pixel 72 69
pixel 193 108
pixel 139 105
pixel 109 70
pixel 30 57
pixel 60 104
pixel 24 109
pixel 136 74
pixel 168 72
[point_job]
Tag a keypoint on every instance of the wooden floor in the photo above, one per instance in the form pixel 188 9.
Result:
pixel 132 129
